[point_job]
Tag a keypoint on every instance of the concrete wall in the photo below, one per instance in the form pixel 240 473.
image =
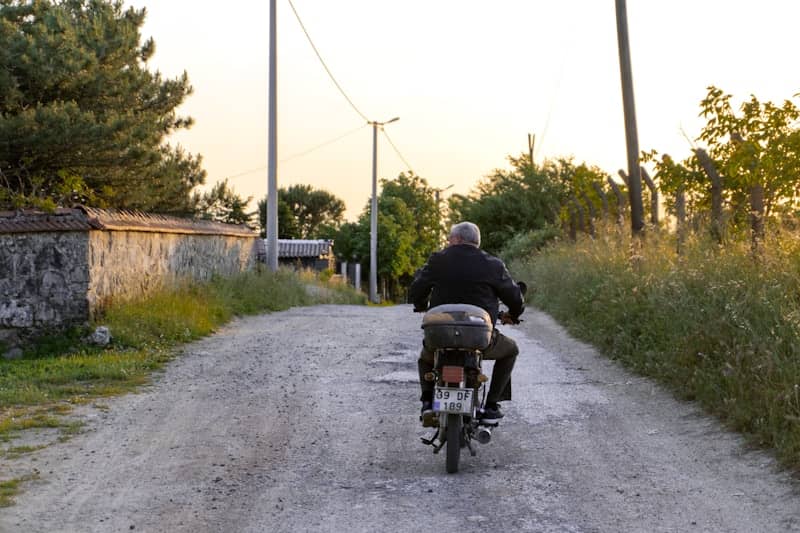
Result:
pixel 128 264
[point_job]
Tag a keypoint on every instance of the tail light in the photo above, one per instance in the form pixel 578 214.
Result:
pixel 452 374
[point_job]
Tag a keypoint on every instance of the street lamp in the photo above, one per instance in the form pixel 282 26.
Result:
pixel 373 222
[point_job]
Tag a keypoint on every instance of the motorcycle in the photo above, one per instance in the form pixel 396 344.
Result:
pixel 458 334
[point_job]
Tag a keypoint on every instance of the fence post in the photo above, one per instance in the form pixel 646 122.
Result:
pixel 680 211
pixel 603 198
pixel 653 197
pixel 620 200
pixel 716 193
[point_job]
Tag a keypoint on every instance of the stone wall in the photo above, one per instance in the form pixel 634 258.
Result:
pixel 127 264
pixel 57 269
pixel 44 279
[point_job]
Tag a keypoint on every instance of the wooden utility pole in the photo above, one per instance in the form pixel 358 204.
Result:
pixel 631 135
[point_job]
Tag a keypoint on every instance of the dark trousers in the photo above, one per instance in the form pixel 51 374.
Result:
pixel 503 351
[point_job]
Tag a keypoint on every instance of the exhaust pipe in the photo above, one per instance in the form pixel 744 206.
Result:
pixel 484 435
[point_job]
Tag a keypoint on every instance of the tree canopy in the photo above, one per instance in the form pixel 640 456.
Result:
pixel 305 213
pixel 747 174
pixel 82 118
pixel 222 204
pixel 507 203
pixel 409 230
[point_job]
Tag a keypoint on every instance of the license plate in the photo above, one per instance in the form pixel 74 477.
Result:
pixel 451 400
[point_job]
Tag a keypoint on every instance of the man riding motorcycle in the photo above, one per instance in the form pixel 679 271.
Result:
pixel 462 273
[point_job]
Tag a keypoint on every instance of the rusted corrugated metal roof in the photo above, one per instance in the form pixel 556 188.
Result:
pixel 83 218
pixel 304 248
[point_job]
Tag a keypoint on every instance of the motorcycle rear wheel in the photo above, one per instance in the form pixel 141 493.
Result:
pixel 453 442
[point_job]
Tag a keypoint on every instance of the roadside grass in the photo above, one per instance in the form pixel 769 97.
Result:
pixel 715 325
pixel 10 488
pixel 61 371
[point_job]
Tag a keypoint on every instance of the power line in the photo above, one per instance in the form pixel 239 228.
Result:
pixel 403 159
pixel 324 144
pixel 326 66
pixel 304 152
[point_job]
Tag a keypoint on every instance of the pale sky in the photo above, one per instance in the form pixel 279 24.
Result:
pixel 469 80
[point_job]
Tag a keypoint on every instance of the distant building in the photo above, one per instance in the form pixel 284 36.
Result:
pixel 316 254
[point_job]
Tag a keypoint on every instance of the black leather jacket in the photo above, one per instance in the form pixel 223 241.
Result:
pixel 462 273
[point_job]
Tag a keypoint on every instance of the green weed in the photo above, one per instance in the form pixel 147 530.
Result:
pixel 10 488
pixel 60 371
pixel 715 324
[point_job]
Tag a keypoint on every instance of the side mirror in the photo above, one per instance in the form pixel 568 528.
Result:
pixel 523 287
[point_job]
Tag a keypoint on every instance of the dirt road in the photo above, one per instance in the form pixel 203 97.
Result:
pixel 307 420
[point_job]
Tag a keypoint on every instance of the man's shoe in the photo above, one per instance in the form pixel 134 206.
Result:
pixel 428 415
pixel 490 415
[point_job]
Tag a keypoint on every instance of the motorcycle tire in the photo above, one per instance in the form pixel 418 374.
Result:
pixel 453 442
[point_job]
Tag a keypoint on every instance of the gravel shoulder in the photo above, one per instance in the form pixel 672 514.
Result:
pixel 306 420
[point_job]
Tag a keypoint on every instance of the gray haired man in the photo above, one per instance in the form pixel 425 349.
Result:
pixel 463 273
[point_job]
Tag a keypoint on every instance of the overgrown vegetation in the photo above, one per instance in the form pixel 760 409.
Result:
pixel 409 230
pixel 713 324
pixel 63 371
pixel 10 488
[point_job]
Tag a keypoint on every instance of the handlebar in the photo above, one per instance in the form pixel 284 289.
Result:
pixel 507 319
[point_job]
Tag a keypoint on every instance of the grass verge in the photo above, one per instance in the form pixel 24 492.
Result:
pixel 715 325
pixel 61 371
pixel 10 488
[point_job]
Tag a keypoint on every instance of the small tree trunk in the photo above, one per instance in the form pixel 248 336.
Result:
pixel 581 214
pixel 592 212
pixel 716 194
pixel 573 226
pixel 757 218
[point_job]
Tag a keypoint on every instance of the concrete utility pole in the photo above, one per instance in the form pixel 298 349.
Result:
pixel 531 143
pixel 272 156
pixel 373 214
pixel 631 135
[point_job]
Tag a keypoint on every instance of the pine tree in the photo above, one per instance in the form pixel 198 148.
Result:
pixel 82 118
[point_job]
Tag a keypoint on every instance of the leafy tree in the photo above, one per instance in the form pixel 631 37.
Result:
pixel 350 243
pixel 507 203
pixel 425 225
pixel 222 204
pixel 750 168
pixel 409 230
pixel 81 116
pixel 757 150
pixel 305 213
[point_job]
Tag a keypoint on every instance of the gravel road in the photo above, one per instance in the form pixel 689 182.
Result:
pixel 307 420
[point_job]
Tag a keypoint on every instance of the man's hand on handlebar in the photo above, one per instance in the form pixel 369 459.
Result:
pixel 506 319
